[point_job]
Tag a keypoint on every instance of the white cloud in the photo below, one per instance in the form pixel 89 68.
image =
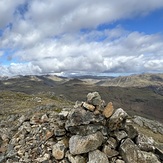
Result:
pixel 7 9
pixel 20 69
pixel 47 37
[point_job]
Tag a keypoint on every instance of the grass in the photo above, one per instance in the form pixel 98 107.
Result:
pixel 18 103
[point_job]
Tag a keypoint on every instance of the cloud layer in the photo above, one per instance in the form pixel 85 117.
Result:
pixel 56 36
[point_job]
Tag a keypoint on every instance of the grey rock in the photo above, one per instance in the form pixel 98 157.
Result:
pixel 94 98
pixel 76 159
pixel 63 114
pixel 131 131
pixel 120 135
pixel 119 161
pixel 131 152
pixel 58 151
pixel 150 157
pixel 79 116
pixel 110 152
pixel 88 129
pixel 117 120
pixel 44 158
pixel 83 144
pixel 97 157
pixel 112 143
pixel 145 143
pixel 60 132
pixel 151 124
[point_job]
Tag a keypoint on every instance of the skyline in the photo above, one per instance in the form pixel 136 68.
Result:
pixel 89 37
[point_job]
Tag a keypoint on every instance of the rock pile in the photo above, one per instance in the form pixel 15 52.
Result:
pixel 91 132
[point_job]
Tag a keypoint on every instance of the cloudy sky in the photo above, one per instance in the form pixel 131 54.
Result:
pixel 74 36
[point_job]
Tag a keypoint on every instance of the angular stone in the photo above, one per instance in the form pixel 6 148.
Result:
pixel 94 98
pixel 145 143
pixel 97 157
pixel 58 151
pixel 108 110
pixel 83 144
pixel 120 135
pixel 119 161
pixel 63 114
pixel 35 119
pixel 151 124
pixel 76 159
pixel 43 158
pixel 84 130
pixel 131 153
pixel 110 152
pixel 60 132
pixel 131 131
pixel 80 116
pixel 117 120
pixel 44 118
pixel 88 106
pixel 112 143
pixel 150 157
pixel 22 119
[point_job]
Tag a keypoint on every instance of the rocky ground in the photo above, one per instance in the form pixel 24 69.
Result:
pixel 88 132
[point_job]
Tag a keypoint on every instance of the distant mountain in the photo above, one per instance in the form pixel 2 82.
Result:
pixel 137 94
pixel 142 80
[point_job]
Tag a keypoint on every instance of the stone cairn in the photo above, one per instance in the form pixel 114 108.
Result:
pixel 91 132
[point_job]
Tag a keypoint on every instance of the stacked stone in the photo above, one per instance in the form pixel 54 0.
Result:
pixel 91 132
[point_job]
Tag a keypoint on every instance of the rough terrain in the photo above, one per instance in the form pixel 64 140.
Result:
pixel 91 131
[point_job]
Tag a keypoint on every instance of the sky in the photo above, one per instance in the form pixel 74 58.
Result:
pixel 81 37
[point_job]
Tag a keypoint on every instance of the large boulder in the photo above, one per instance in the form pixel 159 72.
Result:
pixel 117 120
pixel 145 143
pixel 94 98
pixel 131 153
pixel 150 157
pixel 80 116
pixel 97 157
pixel 83 144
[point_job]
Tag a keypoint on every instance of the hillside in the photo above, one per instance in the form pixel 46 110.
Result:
pixel 142 80
pixel 141 100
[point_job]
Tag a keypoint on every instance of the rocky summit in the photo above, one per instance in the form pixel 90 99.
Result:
pixel 90 132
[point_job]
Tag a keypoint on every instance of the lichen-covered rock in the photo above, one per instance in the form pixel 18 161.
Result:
pixel 155 126
pixel 97 156
pixel 88 129
pixel 131 153
pixel 109 151
pixel 112 143
pixel 108 110
pixel 83 144
pixel 145 143
pixel 94 98
pixel 150 157
pixel 131 131
pixel 58 151
pixel 76 159
pixel 120 135
pixel 117 120
pixel 80 116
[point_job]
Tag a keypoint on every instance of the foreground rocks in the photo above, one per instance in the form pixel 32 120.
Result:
pixel 91 132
